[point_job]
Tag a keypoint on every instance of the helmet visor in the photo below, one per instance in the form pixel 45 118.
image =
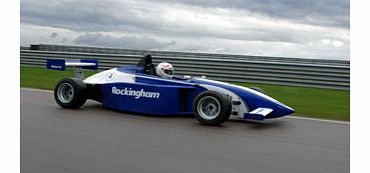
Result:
pixel 169 72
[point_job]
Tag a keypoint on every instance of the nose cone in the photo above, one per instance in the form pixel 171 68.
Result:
pixel 279 111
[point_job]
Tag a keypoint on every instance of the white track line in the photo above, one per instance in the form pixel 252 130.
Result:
pixel 321 120
pixel 40 90
pixel 293 117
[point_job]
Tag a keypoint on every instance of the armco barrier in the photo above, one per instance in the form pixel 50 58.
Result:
pixel 319 73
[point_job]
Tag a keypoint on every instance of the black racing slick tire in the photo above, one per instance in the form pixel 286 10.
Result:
pixel 211 108
pixel 70 93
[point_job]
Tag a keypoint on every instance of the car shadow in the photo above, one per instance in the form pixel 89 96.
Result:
pixel 250 124
pixel 262 125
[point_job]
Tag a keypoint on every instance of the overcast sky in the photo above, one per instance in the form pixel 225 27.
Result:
pixel 289 28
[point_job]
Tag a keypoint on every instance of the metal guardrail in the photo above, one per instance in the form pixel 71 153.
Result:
pixel 318 73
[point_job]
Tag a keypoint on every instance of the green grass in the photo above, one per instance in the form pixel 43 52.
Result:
pixel 311 102
pixel 307 102
pixel 42 78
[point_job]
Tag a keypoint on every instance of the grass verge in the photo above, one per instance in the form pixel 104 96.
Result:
pixel 307 102
pixel 311 102
pixel 42 78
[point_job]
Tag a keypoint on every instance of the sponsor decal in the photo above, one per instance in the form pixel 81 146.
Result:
pixel 55 66
pixel 111 76
pixel 135 93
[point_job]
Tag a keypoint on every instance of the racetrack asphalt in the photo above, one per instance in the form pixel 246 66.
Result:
pixel 93 139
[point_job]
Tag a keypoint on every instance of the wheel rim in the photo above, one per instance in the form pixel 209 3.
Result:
pixel 65 92
pixel 209 107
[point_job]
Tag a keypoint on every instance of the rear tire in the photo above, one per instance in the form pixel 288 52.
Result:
pixel 70 93
pixel 211 108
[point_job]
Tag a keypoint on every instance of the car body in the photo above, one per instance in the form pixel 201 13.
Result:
pixel 137 89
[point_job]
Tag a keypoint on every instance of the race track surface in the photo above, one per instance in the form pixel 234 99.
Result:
pixel 93 139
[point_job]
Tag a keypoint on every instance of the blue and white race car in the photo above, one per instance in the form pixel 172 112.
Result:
pixel 139 89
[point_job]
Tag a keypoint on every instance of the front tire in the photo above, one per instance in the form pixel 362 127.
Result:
pixel 70 93
pixel 211 108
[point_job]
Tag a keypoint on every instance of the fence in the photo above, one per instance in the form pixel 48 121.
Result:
pixel 319 73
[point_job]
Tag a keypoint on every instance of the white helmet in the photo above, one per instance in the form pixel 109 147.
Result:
pixel 164 70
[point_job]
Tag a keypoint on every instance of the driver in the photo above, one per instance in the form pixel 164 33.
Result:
pixel 164 70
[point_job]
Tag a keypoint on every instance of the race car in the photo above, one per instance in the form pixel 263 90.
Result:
pixel 137 89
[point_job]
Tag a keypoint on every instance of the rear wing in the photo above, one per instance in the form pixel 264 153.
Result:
pixel 77 65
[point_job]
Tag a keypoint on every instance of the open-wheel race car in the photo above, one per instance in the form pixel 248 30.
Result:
pixel 138 89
